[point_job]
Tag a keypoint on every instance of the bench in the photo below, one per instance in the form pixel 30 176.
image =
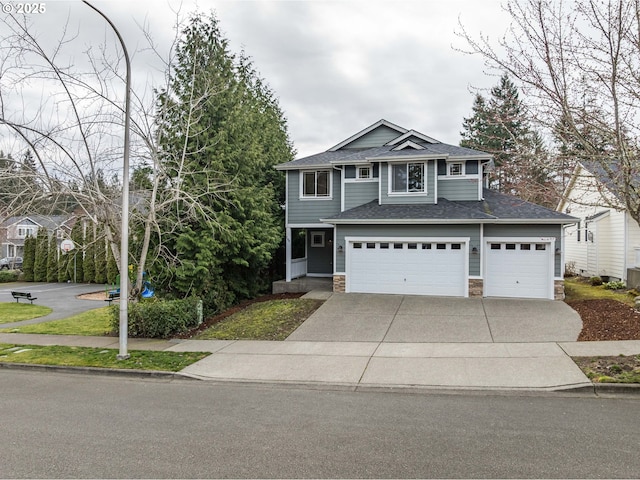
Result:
pixel 25 295
pixel 113 295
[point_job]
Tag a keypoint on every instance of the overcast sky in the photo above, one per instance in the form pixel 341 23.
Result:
pixel 336 66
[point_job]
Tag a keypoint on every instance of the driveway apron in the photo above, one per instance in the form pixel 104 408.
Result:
pixel 355 317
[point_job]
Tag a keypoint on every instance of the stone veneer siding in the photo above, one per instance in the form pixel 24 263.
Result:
pixel 476 287
pixel 558 289
pixel 339 283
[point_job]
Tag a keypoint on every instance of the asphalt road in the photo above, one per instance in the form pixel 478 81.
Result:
pixel 65 425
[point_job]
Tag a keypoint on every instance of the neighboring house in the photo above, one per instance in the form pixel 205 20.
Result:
pixel 606 241
pixel 390 210
pixel 14 230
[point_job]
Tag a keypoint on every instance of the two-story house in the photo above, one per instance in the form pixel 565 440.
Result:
pixel 391 210
pixel 14 230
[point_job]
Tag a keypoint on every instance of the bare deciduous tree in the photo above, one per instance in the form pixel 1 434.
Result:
pixel 578 64
pixel 70 115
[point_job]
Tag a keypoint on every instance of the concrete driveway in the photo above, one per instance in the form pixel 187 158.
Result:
pixel 360 317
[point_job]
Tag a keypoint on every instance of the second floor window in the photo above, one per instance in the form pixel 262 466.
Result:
pixel 25 231
pixel 408 178
pixel 316 184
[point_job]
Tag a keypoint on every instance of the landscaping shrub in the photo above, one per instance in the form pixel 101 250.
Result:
pixel 595 281
pixel 9 276
pixel 615 285
pixel 160 318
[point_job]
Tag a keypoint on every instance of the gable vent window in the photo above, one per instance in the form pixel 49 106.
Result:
pixel 316 184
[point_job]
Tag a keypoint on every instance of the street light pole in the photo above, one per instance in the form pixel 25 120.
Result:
pixel 124 235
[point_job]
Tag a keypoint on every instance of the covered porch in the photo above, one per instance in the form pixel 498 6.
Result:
pixel 303 284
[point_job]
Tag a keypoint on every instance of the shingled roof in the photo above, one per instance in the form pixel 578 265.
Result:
pixel 495 208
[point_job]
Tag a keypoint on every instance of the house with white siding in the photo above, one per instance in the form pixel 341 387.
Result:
pixel 391 210
pixel 605 241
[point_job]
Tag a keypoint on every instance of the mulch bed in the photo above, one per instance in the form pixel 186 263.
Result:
pixel 605 319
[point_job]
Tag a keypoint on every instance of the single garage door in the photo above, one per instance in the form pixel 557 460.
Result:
pixel 518 269
pixel 407 267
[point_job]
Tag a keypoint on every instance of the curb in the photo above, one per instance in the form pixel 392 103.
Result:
pixel 121 372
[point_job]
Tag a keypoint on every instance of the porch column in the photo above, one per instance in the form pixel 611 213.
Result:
pixel 288 255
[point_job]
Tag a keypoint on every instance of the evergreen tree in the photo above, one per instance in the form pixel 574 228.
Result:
pixel 64 264
pixel 29 258
pixel 42 250
pixel 236 137
pixel 522 164
pixel 76 263
pixel 89 266
pixel 52 260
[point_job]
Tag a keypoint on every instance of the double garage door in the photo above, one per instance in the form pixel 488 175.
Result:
pixel 512 268
pixel 408 267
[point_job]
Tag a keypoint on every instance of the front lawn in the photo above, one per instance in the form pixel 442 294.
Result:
pixel 579 288
pixel 269 320
pixel 97 357
pixel 91 322
pixel 17 312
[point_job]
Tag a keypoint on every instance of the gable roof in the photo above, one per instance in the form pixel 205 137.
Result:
pixel 50 222
pixel 495 208
pixel 418 147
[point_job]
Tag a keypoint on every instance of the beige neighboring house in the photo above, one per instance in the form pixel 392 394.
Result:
pixel 14 230
pixel 606 240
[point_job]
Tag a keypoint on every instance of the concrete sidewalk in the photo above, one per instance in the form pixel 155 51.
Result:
pixel 371 365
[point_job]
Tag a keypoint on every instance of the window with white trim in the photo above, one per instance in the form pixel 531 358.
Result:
pixel 25 231
pixel 456 169
pixel 408 178
pixel 316 184
pixel 364 172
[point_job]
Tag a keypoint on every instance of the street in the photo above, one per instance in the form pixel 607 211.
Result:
pixel 59 425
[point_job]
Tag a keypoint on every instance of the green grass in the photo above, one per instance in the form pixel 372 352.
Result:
pixel 97 357
pixel 576 288
pixel 91 322
pixel 270 320
pixel 16 312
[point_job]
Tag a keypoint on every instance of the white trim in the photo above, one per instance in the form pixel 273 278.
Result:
pixel 431 221
pixel 287 246
pixel 342 188
pixel 310 225
pixel 361 180
pixel 408 143
pixel 409 158
pixel 370 128
pixel 305 198
pixel 425 177
pixel 412 133
pixel 320 275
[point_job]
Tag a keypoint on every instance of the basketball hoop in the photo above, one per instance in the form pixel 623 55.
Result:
pixel 67 245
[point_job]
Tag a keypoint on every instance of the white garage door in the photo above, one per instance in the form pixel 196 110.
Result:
pixel 407 267
pixel 518 269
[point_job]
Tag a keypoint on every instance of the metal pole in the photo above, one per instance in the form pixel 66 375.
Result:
pixel 124 238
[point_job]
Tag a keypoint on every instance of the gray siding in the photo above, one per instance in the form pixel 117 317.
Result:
pixel 458 189
pixel 310 211
pixel 375 138
pixel 529 231
pixel 405 199
pixel 471 231
pixel 320 259
pixel 359 193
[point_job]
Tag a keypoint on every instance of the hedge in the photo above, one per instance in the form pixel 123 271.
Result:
pixel 156 318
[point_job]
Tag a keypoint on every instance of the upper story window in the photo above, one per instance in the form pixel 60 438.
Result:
pixel 25 231
pixel 364 172
pixel 456 169
pixel 316 184
pixel 408 178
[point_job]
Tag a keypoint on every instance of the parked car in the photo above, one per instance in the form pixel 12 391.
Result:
pixel 11 263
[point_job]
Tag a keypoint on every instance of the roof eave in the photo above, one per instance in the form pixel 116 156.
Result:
pixel 440 221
